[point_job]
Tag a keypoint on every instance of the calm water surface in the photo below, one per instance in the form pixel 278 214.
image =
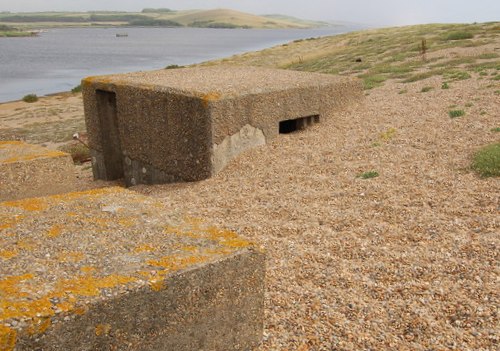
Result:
pixel 58 59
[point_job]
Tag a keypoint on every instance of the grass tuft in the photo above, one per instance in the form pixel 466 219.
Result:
pixel 461 35
pixel 456 113
pixel 445 86
pixel 79 152
pixel 30 98
pixel 486 161
pixel 368 175
pixel 496 130
pixel 426 89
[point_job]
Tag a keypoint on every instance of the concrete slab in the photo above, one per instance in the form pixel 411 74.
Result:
pixel 187 124
pixel 30 170
pixel 109 269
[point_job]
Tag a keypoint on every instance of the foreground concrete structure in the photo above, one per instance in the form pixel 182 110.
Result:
pixel 29 171
pixel 187 124
pixel 109 269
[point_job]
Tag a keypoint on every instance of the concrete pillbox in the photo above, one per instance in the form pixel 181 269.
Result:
pixel 187 124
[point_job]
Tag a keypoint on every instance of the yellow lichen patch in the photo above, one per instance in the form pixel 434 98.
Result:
pixel 227 237
pixel 212 96
pixel 8 143
pixel 174 262
pixel 26 309
pixel 88 269
pixel 9 286
pixel 102 329
pixel 55 231
pixel 71 257
pixel 173 230
pixel 26 244
pixel 34 204
pixel 65 306
pixel 7 338
pixel 8 254
pixel 9 222
pixel 156 284
pixel 126 222
pixel 144 248
pixel 34 156
pixel 89 285
pixel 188 248
pixel 39 326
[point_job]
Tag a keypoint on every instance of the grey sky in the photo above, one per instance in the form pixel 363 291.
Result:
pixel 364 11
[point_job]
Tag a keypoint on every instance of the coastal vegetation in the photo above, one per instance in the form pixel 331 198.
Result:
pixel 379 55
pixel 9 31
pixel 219 18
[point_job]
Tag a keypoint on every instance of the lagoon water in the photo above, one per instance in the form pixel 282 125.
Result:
pixel 58 59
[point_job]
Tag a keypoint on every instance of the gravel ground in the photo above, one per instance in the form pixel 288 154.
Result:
pixel 408 260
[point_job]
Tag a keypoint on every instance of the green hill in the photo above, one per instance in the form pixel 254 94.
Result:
pixel 218 18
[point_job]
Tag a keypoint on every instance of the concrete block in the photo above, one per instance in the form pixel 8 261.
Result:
pixel 109 269
pixel 30 170
pixel 187 124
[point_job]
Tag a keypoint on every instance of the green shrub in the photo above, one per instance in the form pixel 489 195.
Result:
pixel 173 67
pixel 486 161
pixel 426 89
pixel 496 130
pixel 456 113
pixel 77 89
pixel 79 152
pixel 459 35
pixel 368 175
pixel 445 86
pixel 373 81
pixel 30 98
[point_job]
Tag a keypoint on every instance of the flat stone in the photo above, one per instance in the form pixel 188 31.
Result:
pixel 29 170
pixel 187 124
pixel 110 269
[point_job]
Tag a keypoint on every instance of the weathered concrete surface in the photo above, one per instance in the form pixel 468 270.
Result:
pixel 109 269
pixel 169 125
pixel 29 171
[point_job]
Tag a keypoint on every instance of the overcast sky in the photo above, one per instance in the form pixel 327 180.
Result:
pixel 388 12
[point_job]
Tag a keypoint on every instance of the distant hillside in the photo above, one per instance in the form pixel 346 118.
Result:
pixel 219 18
pixel 300 21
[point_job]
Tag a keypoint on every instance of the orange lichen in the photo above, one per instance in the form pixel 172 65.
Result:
pixel 88 269
pixel 175 262
pixel 189 248
pixel 34 156
pixel 55 231
pixel 65 306
pixel 34 204
pixel 212 96
pixel 88 285
pixel 227 237
pixel 10 285
pixel 8 222
pixel 8 338
pixel 26 244
pixel 144 248
pixel 39 326
pixel 26 309
pixel 8 254
pixel 157 284
pixel 4 144
pixel 102 329
pixel 72 256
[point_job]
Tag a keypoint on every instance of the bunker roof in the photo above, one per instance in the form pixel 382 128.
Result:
pixel 59 253
pixel 226 80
